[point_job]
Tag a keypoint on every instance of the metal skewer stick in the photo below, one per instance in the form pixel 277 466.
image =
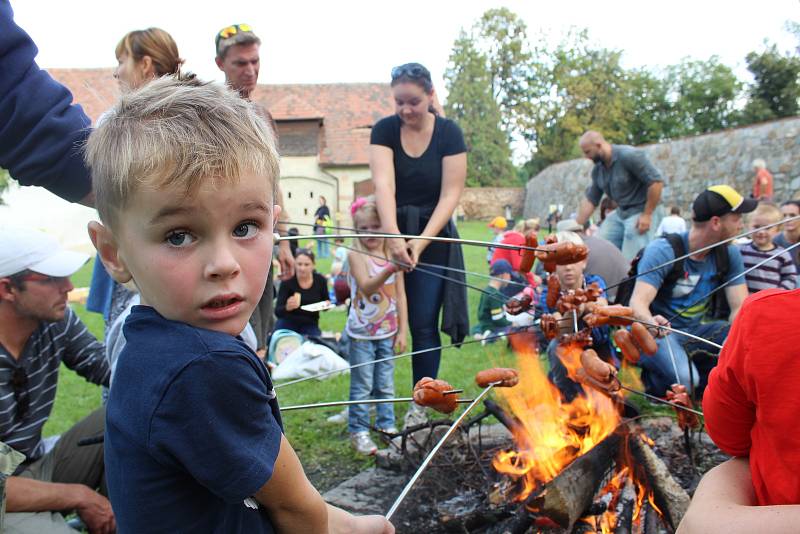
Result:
pixel 743 273
pixel 674 363
pixel 662 401
pixel 363 401
pixel 433 452
pixel 703 249
pixel 674 330
pixel 404 355
pixel 408 236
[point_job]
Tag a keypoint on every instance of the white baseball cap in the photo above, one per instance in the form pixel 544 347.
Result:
pixel 24 248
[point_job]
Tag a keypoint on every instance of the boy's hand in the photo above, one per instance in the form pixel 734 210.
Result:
pixel 400 342
pixel 95 510
pixel 293 302
pixel 341 522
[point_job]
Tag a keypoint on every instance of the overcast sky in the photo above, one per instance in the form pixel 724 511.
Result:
pixel 355 41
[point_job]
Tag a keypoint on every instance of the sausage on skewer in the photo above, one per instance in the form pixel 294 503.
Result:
pixel 625 343
pixel 644 338
pixel 503 377
pixel 429 392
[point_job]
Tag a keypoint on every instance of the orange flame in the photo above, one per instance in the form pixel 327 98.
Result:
pixel 551 432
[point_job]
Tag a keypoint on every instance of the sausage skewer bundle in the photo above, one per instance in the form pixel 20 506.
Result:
pixel 597 373
pixel 609 315
pixel 502 377
pixel 518 304
pixel 678 395
pixel 432 394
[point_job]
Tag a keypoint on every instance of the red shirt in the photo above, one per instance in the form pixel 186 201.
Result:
pixel 752 403
pixel 514 257
pixel 763 190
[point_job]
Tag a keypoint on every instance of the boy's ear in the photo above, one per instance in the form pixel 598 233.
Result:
pixel 108 250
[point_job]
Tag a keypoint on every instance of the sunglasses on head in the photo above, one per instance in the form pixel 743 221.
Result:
pixel 411 70
pixel 19 382
pixel 229 31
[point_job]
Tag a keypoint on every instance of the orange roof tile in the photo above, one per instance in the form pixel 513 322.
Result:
pixel 348 110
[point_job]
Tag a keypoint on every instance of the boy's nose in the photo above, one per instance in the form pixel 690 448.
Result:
pixel 221 263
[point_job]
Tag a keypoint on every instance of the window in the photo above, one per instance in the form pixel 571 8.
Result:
pixel 310 194
pixel 305 211
pixel 289 194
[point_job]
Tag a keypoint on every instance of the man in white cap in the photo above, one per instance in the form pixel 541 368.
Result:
pixel 38 331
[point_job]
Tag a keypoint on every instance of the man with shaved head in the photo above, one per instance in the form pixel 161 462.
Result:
pixel 624 174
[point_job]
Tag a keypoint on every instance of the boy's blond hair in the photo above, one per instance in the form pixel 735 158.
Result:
pixel 177 132
pixel 768 209
pixel 569 237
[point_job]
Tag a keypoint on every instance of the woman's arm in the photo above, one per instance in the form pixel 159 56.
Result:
pixel 454 176
pixel 724 503
pixel 381 166
pixel 283 295
pixel 366 283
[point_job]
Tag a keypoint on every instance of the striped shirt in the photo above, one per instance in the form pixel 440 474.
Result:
pixel 66 340
pixel 779 272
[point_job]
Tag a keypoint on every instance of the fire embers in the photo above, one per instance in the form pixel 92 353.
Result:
pixel 433 394
pixel 678 395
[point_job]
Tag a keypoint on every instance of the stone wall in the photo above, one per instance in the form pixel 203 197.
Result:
pixel 689 165
pixel 488 202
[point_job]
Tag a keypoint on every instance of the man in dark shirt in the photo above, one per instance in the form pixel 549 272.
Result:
pixel 625 175
pixel 38 331
pixel 238 57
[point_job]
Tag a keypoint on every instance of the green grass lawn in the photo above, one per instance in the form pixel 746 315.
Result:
pixel 323 448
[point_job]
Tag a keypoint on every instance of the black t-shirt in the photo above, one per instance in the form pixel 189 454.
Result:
pixel 316 293
pixel 418 181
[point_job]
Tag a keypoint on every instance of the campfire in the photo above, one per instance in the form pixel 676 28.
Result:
pixel 573 463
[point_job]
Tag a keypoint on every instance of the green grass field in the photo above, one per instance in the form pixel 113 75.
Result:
pixel 323 448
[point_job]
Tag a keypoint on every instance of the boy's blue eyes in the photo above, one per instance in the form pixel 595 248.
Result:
pixel 182 238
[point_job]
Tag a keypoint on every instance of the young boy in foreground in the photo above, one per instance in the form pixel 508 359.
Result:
pixel 184 176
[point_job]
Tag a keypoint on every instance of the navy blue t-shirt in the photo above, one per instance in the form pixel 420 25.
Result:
pixel 193 428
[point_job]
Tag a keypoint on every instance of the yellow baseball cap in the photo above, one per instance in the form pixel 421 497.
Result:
pixel 499 222
pixel 719 200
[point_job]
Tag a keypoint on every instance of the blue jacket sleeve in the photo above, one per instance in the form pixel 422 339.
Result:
pixel 41 132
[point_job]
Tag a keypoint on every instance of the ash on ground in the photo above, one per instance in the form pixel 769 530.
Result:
pixel 455 492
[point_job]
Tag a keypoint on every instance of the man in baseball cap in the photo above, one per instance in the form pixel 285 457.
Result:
pixel 682 290
pixel 38 331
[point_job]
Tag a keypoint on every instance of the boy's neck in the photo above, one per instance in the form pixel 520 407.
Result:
pixel 765 248
pixel 497 284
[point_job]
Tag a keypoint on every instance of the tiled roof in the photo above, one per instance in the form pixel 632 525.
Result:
pixel 348 110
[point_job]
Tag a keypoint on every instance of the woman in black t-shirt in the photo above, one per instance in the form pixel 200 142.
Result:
pixel 418 163
pixel 306 287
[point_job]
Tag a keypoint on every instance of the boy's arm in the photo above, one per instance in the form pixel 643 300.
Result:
pixel 294 505
pixel 724 503
pixel 788 272
pixel 358 269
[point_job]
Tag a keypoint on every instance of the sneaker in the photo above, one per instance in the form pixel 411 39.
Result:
pixel 362 443
pixel 339 418
pixel 416 415
pixel 486 334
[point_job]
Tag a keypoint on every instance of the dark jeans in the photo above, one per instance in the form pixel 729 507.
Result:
pixel 424 295
pixel 304 329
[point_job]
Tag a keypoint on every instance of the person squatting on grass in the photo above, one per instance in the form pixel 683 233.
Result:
pixel 194 439
pixel 377 323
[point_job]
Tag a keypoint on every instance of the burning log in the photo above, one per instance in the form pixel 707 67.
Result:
pixel 669 496
pixel 571 493
pixel 627 504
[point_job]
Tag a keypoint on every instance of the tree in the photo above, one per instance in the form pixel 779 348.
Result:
pixel 577 88
pixel 776 90
pixel 501 37
pixel 471 103
pixel 651 117
pixel 705 94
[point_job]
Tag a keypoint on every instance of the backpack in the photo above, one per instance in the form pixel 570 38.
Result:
pixel 282 343
pixel 719 308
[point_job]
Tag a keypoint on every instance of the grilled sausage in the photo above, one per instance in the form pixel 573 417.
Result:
pixel 644 338
pixel 553 290
pixel 677 394
pixel 429 392
pixel 528 256
pixel 625 343
pixel 507 378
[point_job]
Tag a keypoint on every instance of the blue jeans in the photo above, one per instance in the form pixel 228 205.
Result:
pixel 624 235
pixel 371 381
pixel 323 248
pixel 658 373
pixel 424 296
pixel 304 329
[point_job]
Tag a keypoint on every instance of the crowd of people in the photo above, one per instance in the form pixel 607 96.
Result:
pixel 185 283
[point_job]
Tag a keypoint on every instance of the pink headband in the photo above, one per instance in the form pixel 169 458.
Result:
pixel 357 205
